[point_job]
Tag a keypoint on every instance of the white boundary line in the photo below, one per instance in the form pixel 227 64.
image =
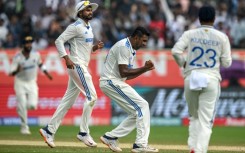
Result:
pixel 122 145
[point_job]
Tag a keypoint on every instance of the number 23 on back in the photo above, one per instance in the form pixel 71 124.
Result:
pixel 203 58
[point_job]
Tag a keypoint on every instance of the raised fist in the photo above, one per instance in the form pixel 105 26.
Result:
pixel 149 65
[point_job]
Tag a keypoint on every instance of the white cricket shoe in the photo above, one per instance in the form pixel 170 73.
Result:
pixel 111 143
pixel 48 138
pixel 137 148
pixel 25 130
pixel 87 140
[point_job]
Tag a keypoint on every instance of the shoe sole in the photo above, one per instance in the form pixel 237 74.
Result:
pixel 135 151
pixel 87 144
pixel 101 139
pixel 45 139
pixel 26 133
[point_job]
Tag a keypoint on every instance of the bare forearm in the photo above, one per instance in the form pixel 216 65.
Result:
pixel 179 59
pixel 48 75
pixel 44 69
pixel 100 45
pixel 95 47
pixel 13 73
pixel 132 77
pixel 133 73
pixel 65 57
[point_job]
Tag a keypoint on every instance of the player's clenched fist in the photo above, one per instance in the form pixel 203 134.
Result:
pixel 149 65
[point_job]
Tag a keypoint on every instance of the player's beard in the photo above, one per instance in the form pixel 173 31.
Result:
pixel 27 49
pixel 137 46
pixel 87 17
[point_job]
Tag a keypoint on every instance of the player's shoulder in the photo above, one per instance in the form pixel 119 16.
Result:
pixel 18 55
pixel 120 46
pixel 190 31
pixel 124 43
pixel 35 54
pixel 76 23
pixel 219 33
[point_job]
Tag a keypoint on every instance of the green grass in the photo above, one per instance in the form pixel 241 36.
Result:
pixel 222 136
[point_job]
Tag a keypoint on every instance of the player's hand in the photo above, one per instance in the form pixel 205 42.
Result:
pixel 184 65
pixel 69 63
pixel 100 45
pixel 19 68
pixel 50 76
pixel 149 65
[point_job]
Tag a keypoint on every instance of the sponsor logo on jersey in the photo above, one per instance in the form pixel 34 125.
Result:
pixel 28 67
pixel 89 40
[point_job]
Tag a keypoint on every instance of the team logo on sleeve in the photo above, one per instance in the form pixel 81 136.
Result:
pixel 89 40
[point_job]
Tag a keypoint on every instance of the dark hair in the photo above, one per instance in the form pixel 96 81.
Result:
pixel 140 31
pixel 206 14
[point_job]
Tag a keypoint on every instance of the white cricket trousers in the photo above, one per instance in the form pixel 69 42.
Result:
pixel 79 81
pixel 202 109
pixel 27 98
pixel 136 107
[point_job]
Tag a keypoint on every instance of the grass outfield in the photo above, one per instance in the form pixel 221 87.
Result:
pixel 167 139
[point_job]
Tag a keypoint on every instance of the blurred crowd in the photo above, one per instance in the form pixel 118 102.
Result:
pixel 115 19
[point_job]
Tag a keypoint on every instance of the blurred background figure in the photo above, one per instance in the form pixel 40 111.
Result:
pixel 25 69
pixel 166 19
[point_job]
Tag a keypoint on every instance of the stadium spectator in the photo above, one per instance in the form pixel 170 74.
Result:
pixel 39 43
pixel 53 32
pixel 157 27
pixel 118 17
pixel 4 31
pixel 9 42
pixel 238 30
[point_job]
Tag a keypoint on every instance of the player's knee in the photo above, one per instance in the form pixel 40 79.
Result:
pixel 144 108
pixel 93 100
pixel 32 107
pixel 94 97
pixel 145 105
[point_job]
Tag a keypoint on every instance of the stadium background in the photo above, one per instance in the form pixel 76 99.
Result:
pixel 162 88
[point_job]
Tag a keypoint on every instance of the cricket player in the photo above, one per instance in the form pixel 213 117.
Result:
pixel 80 38
pixel 118 67
pixel 207 50
pixel 25 69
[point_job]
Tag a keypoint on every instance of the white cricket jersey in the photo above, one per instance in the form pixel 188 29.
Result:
pixel 207 50
pixel 120 53
pixel 80 38
pixel 29 66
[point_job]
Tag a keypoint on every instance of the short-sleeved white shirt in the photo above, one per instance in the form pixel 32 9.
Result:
pixel 120 53
pixel 29 66
pixel 80 38
pixel 207 49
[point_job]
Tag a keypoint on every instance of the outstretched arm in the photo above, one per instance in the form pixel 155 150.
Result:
pixel 44 69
